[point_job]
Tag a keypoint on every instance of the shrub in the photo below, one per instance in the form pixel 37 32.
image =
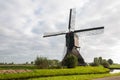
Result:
pixel 100 60
pixel 92 64
pixel 54 64
pixel 41 62
pixel 105 64
pixel 71 61
pixel 96 62
pixel 110 61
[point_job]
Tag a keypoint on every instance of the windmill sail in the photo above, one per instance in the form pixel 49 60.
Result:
pixel 54 34
pixel 90 31
pixel 72 16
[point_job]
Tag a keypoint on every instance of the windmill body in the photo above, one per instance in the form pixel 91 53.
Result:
pixel 72 39
pixel 72 43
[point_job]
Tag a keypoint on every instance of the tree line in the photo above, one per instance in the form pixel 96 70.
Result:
pixel 70 62
pixel 100 61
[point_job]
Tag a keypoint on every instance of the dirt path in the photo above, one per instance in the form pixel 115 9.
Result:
pixel 13 71
pixel 109 78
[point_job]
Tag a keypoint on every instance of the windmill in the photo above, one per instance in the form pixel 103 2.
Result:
pixel 72 39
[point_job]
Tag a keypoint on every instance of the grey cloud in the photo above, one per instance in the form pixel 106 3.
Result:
pixel 22 24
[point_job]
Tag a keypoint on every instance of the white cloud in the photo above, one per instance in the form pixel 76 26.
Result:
pixel 22 24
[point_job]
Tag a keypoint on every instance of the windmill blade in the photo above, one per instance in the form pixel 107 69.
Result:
pixel 72 15
pixel 90 31
pixel 54 34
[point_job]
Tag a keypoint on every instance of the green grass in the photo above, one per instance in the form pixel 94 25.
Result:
pixel 5 67
pixel 115 66
pixel 76 77
pixel 56 72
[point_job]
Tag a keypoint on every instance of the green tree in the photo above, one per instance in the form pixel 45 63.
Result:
pixel 71 61
pixel 42 62
pixel 100 60
pixel 32 62
pixel 96 61
pixel 53 62
pixel 105 63
pixel 26 63
pixel 110 61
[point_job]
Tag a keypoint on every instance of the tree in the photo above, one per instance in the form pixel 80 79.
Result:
pixel 71 61
pixel 53 62
pixel 96 61
pixel 11 63
pixel 41 62
pixel 110 61
pixel 100 60
pixel 32 62
pixel 105 63
pixel 26 63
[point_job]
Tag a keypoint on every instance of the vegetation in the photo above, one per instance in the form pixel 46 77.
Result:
pixel 41 62
pixel 96 61
pixel 6 67
pixel 110 61
pixel 44 63
pixel 55 72
pixel 76 77
pixel 99 61
pixel 71 61
pixel 43 73
pixel 105 64
pixel 115 66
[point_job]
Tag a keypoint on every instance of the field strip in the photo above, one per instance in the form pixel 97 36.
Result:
pixel 109 78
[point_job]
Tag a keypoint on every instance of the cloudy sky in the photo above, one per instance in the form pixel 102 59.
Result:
pixel 23 22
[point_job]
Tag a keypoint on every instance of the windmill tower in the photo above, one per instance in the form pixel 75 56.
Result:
pixel 72 39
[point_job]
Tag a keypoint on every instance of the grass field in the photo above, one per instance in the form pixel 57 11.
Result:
pixel 115 66
pixel 76 77
pixel 56 73
pixel 5 67
pixel 78 73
